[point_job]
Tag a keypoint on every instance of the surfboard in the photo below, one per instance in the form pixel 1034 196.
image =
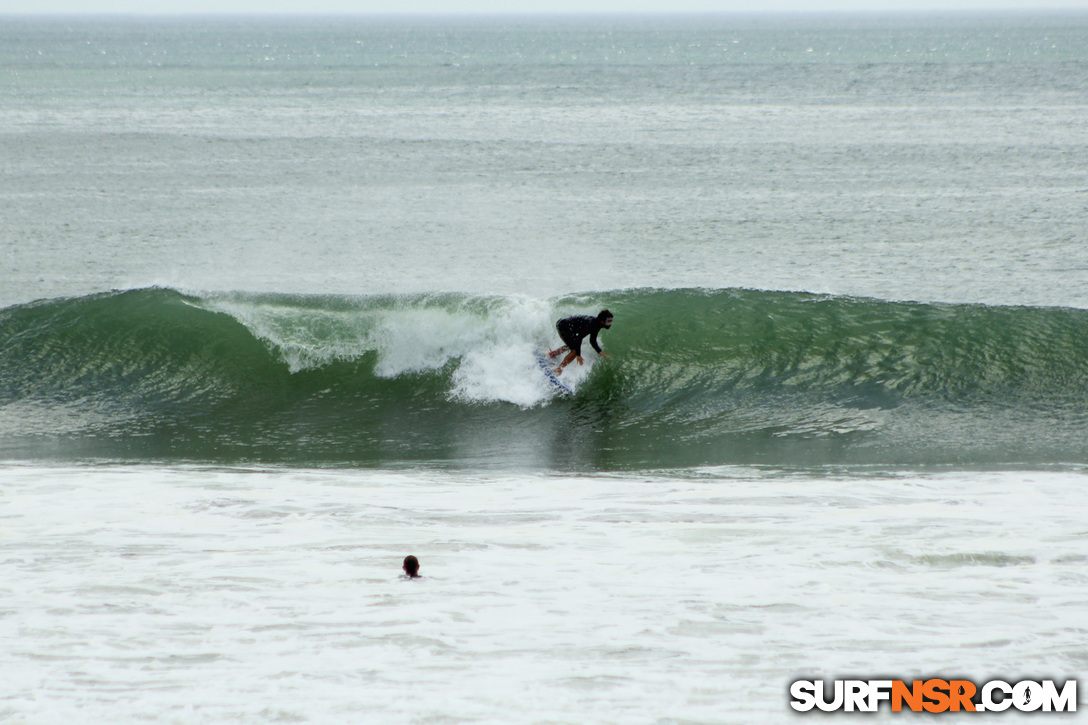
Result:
pixel 547 368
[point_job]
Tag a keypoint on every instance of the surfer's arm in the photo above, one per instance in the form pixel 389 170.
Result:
pixel 593 342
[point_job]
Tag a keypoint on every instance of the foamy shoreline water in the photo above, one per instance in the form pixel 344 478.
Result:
pixel 210 594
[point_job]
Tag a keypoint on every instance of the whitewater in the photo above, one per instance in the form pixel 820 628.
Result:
pixel 271 296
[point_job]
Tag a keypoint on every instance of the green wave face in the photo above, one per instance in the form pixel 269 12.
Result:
pixel 696 377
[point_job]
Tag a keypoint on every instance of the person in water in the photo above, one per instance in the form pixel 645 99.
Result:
pixel 572 329
pixel 411 567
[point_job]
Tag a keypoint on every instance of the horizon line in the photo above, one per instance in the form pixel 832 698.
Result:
pixel 945 10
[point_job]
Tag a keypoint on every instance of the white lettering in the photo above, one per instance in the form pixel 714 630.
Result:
pixel 1027 696
pixel 823 704
pixel 879 690
pixel 804 695
pixel 1066 701
pixel 988 698
pixel 857 694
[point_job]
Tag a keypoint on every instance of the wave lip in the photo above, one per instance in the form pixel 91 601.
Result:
pixel 697 377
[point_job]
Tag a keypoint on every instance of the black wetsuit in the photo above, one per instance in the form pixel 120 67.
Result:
pixel 573 329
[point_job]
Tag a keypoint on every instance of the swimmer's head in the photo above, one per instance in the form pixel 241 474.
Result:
pixel 411 566
pixel 605 318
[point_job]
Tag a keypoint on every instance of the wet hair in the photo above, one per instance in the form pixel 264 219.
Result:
pixel 411 565
pixel 603 315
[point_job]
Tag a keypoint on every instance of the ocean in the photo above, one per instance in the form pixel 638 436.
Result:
pixel 272 292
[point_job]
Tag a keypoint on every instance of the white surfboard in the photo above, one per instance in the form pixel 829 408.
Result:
pixel 549 372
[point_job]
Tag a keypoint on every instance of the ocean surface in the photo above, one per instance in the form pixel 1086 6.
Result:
pixel 272 292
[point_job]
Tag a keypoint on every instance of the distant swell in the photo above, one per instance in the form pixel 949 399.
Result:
pixel 697 377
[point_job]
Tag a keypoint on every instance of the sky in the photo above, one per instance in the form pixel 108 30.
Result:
pixel 147 7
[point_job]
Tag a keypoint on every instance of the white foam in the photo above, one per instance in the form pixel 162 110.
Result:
pixel 181 594
pixel 305 337
pixel 491 343
pixel 507 373
pixel 418 340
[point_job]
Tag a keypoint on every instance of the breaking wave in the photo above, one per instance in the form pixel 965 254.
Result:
pixel 697 377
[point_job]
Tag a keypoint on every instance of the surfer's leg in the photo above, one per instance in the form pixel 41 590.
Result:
pixel 566 361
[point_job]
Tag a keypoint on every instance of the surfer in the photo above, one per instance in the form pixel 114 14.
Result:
pixel 572 329
pixel 411 567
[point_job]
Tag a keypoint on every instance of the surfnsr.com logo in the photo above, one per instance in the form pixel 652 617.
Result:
pixel 934 695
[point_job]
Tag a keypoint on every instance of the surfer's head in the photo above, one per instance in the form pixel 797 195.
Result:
pixel 411 566
pixel 604 317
